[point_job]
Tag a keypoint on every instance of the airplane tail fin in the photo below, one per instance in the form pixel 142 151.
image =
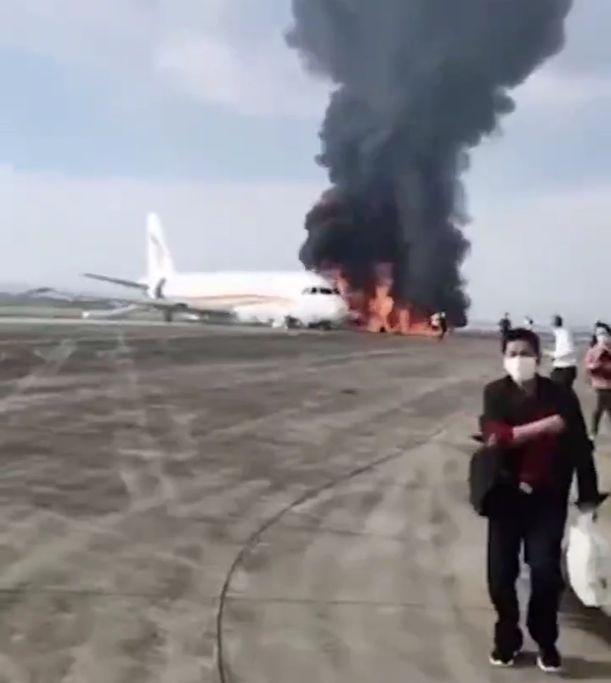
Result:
pixel 159 263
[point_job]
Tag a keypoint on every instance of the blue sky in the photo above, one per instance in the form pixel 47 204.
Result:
pixel 195 108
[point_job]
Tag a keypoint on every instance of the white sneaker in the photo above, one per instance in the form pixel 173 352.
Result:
pixel 550 661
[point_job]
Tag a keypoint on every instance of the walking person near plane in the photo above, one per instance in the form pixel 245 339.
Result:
pixel 536 428
pixel 563 355
pixel 598 366
pixel 504 327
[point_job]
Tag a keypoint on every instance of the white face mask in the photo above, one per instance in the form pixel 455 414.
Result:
pixel 521 369
pixel 603 339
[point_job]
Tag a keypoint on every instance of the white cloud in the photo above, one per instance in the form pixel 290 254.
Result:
pixel 202 50
pixel 197 48
pixel 262 81
pixel 72 31
pixel 56 227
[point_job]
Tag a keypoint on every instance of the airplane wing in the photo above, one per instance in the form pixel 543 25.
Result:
pixel 116 281
pixel 68 297
pixel 131 304
pixel 123 305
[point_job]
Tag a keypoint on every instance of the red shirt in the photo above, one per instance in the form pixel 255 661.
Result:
pixel 533 460
pixel 598 361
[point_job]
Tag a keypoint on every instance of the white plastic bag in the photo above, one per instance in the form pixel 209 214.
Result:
pixel 588 561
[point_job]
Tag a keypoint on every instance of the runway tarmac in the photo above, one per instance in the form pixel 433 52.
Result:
pixel 184 504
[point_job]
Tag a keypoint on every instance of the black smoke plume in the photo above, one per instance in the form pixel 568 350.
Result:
pixel 419 83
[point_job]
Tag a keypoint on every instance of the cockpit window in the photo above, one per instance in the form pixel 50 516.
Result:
pixel 327 291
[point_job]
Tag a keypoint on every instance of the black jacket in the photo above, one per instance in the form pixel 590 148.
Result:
pixel 488 475
pixel 503 403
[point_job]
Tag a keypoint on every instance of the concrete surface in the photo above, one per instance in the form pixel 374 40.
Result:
pixel 182 504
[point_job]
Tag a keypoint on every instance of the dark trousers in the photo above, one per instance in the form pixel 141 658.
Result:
pixel 564 376
pixel 535 522
pixel 603 405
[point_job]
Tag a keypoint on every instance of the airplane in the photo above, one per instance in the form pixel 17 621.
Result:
pixel 281 299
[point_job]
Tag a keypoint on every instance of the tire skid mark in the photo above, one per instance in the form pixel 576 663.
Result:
pixel 144 500
pixel 395 453
pixel 139 457
pixel 52 364
pixel 432 533
pixel 74 541
pixel 336 423
pixel 300 366
pixel 448 617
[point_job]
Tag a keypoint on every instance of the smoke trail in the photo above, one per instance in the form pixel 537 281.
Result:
pixel 419 83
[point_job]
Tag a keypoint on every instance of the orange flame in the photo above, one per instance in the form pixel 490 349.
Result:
pixel 378 311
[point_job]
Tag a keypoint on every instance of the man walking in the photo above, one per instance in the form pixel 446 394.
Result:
pixel 539 427
pixel 504 327
pixel 598 364
pixel 564 356
pixel 443 325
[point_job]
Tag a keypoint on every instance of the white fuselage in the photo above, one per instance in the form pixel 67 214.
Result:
pixel 263 297
pixel 297 297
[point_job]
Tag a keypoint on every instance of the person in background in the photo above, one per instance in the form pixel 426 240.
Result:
pixel 598 325
pixel 598 367
pixel 443 325
pixel 564 356
pixel 529 323
pixel 435 322
pixel 539 426
pixel 504 327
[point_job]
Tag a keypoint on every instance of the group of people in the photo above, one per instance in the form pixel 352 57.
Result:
pixel 564 360
pixel 535 441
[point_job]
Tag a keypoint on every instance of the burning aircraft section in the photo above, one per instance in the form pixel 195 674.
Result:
pixel 375 309
pixel 367 284
pixel 418 84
